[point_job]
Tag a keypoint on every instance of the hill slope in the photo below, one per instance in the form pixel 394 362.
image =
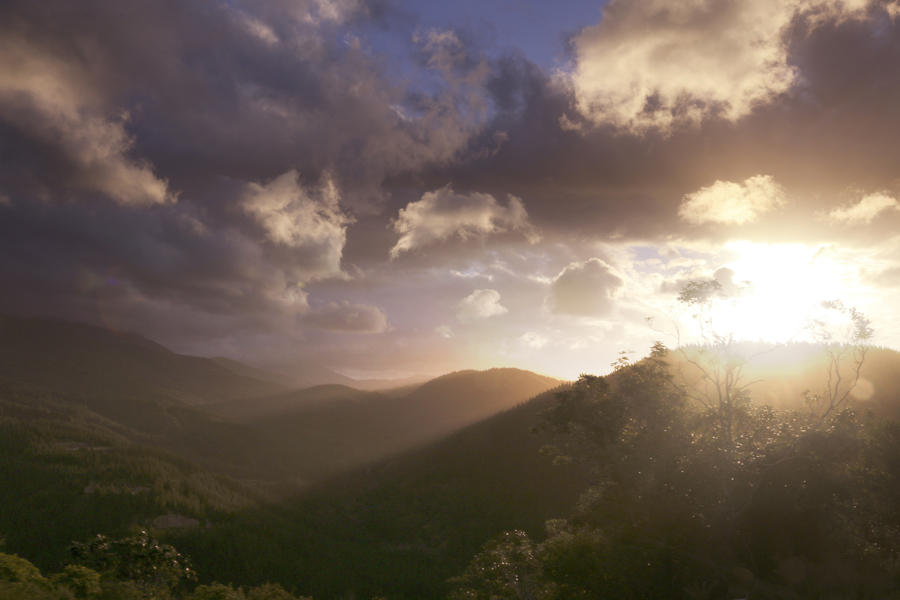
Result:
pixel 69 473
pixel 326 429
pixel 101 431
pixel 401 527
pixel 85 359
pixel 150 395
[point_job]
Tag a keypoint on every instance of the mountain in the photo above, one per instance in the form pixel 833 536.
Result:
pixel 297 376
pixel 102 431
pixel 86 359
pixel 149 395
pixel 326 429
pixel 401 527
pixel 389 384
pixel 69 473
pixel 311 398
pixel 229 417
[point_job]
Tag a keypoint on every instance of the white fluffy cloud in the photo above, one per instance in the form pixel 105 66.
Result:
pixel 652 64
pixel 864 211
pixel 443 214
pixel 584 288
pixel 310 221
pixel 480 304
pixel 54 101
pixel 727 202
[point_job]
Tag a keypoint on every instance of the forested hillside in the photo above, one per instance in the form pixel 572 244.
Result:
pixel 121 433
pixel 324 430
pixel 691 474
pixel 402 527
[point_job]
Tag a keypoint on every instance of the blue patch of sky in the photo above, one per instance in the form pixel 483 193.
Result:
pixel 538 29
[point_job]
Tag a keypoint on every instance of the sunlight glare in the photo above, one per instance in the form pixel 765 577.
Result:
pixel 778 290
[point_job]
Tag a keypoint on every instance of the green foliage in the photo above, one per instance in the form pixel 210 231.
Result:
pixel 15 569
pixel 216 591
pixel 507 568
pixel 81 581
pixel 698 292
pixel 266 591
pixel 672 500
pixel 400 528
pixel 271 591
pixel 788 506
pixel 30 591
pixel 69 473
pixel 138 558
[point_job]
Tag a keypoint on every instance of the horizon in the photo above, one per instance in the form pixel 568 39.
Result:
pixel 394 189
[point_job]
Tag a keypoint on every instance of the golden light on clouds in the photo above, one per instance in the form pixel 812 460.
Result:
pixel 726 202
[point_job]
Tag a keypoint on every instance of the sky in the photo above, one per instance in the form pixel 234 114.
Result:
pixel 389 188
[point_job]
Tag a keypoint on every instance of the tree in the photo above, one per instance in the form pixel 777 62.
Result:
pixel 81 581
pixel 719 360
pixel 138 558
pixel 507 568
pixel 846 340
pixel 216 591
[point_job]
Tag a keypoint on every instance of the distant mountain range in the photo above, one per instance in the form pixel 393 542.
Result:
pixel 84 359
pixel 330 488
pixel 298 376
pixel 326 429
pixel 401 527
pixel 101 430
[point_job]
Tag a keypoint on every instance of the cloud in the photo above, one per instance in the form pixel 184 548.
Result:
pixel 653 64
pixel 584 289
pixel 865 210
pixel 258 29
pixel 443 214
pixel 53 102
pixel 444 331
pixel 286 85
pixel 730 203
pixel 531 339
pixel 480 304
pixel 346 317
pixel 299 218
pixel 889 277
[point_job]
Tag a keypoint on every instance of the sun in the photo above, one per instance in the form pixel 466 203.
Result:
pixel 775 292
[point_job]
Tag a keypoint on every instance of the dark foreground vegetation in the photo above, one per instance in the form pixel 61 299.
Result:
pixel 667 478
pixel 730 500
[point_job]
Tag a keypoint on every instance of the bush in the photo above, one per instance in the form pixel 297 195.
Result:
pixel 216 591
pixel 81 581
pixel 15 569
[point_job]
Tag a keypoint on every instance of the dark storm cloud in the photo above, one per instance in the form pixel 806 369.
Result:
pixel 247 91
pixel 185 168
pixel 825 136
pixel 229 116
